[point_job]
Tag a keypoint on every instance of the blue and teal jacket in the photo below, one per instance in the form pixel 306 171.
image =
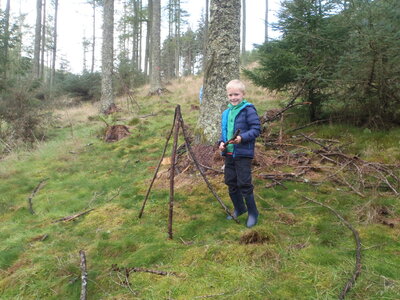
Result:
pixel 248 122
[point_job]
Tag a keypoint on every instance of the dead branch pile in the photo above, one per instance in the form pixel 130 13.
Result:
pixel 328 162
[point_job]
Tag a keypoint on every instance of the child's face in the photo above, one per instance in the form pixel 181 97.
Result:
pixel 235 96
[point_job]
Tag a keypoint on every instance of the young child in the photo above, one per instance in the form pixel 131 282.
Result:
pixel 240 152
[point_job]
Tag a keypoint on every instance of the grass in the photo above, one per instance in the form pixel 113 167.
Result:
pixel 306 252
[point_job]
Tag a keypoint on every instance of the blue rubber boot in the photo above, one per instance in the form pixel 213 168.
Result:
pixel 238 204
pixel 253 212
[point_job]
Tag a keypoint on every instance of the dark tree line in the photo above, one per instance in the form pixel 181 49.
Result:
pixel 341 55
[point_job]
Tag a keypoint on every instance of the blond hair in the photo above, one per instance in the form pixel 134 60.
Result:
pixel 236 84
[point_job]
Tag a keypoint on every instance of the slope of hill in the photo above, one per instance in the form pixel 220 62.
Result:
pixel 90 194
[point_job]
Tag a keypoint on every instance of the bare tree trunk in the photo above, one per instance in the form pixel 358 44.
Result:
pixel 53 64
pixel 244 27
pixel 222 64
pixel 94 36
pixel 155 77
pixel 38 30
pixel 43 41
pixel 177 35
pixel 266 21
pixel 205 42
pixel 147 63
pixel 6 38
pixel 135 36
pixel 140 36
pixel 107 98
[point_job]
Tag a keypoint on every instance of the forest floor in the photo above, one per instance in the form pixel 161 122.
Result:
pixel 328 197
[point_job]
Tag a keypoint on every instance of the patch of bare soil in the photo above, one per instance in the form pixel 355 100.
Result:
pixel 116 132
pixel 253 237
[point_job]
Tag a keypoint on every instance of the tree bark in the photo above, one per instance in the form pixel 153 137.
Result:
pixel 94 36
pixel 155 76
pixel 147 66
pixel 107 63
pixel 244 27
pixel 53 64
pixel 6 38
pixel 43 41
pixel 177 35
pixel 38 31
pixel 222 65
pixel 266 22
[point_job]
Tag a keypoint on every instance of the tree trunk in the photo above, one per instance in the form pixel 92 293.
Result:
pixel 38 30
pixel 155 77
pixel 205 41
pixel 107 58
pixel 222 64
pixel 53 64
pixel 140 36
pixel 94 36
pixel 244 28
pixel 177 35
pixel 6 38
pixel 266 22
pixel 147 68
pixel 43 41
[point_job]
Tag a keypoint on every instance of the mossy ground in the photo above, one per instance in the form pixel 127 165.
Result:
pixel 305 253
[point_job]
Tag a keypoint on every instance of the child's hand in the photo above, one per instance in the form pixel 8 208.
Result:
pixel 221 146
pixel 237 140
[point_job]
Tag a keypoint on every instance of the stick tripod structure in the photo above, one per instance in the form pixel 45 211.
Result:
pixel 178 123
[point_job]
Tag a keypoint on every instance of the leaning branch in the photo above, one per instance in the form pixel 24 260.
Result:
pixel 201 171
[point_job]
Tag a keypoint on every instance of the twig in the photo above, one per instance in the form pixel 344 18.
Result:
pixel 315 141
pixel 148 115
pixel 358 265
pixel 135 270
pixel 209 296
pixel 351 187
pixel 307 125
pixel 205 167
pixel 84 275
pixel 73 217
pixel 37 188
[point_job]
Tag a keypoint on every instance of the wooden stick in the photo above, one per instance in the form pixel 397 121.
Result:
pixel 172 172
pixel 158 167
pixel 37 188
pixel 83 276
pixel 201 171
pixel 134 269
pixel 73 217
pixel 358 265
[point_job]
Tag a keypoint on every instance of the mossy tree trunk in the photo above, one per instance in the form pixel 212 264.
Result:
pixel 222 65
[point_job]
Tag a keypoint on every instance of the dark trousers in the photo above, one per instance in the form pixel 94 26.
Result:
pixel 238 175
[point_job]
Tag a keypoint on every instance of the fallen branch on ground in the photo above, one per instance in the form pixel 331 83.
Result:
pixel 358 265
pixel 130 270
pixel 73 217
pixel 37 188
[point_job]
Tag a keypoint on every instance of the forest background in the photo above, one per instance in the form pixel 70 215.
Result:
pixel 333 72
